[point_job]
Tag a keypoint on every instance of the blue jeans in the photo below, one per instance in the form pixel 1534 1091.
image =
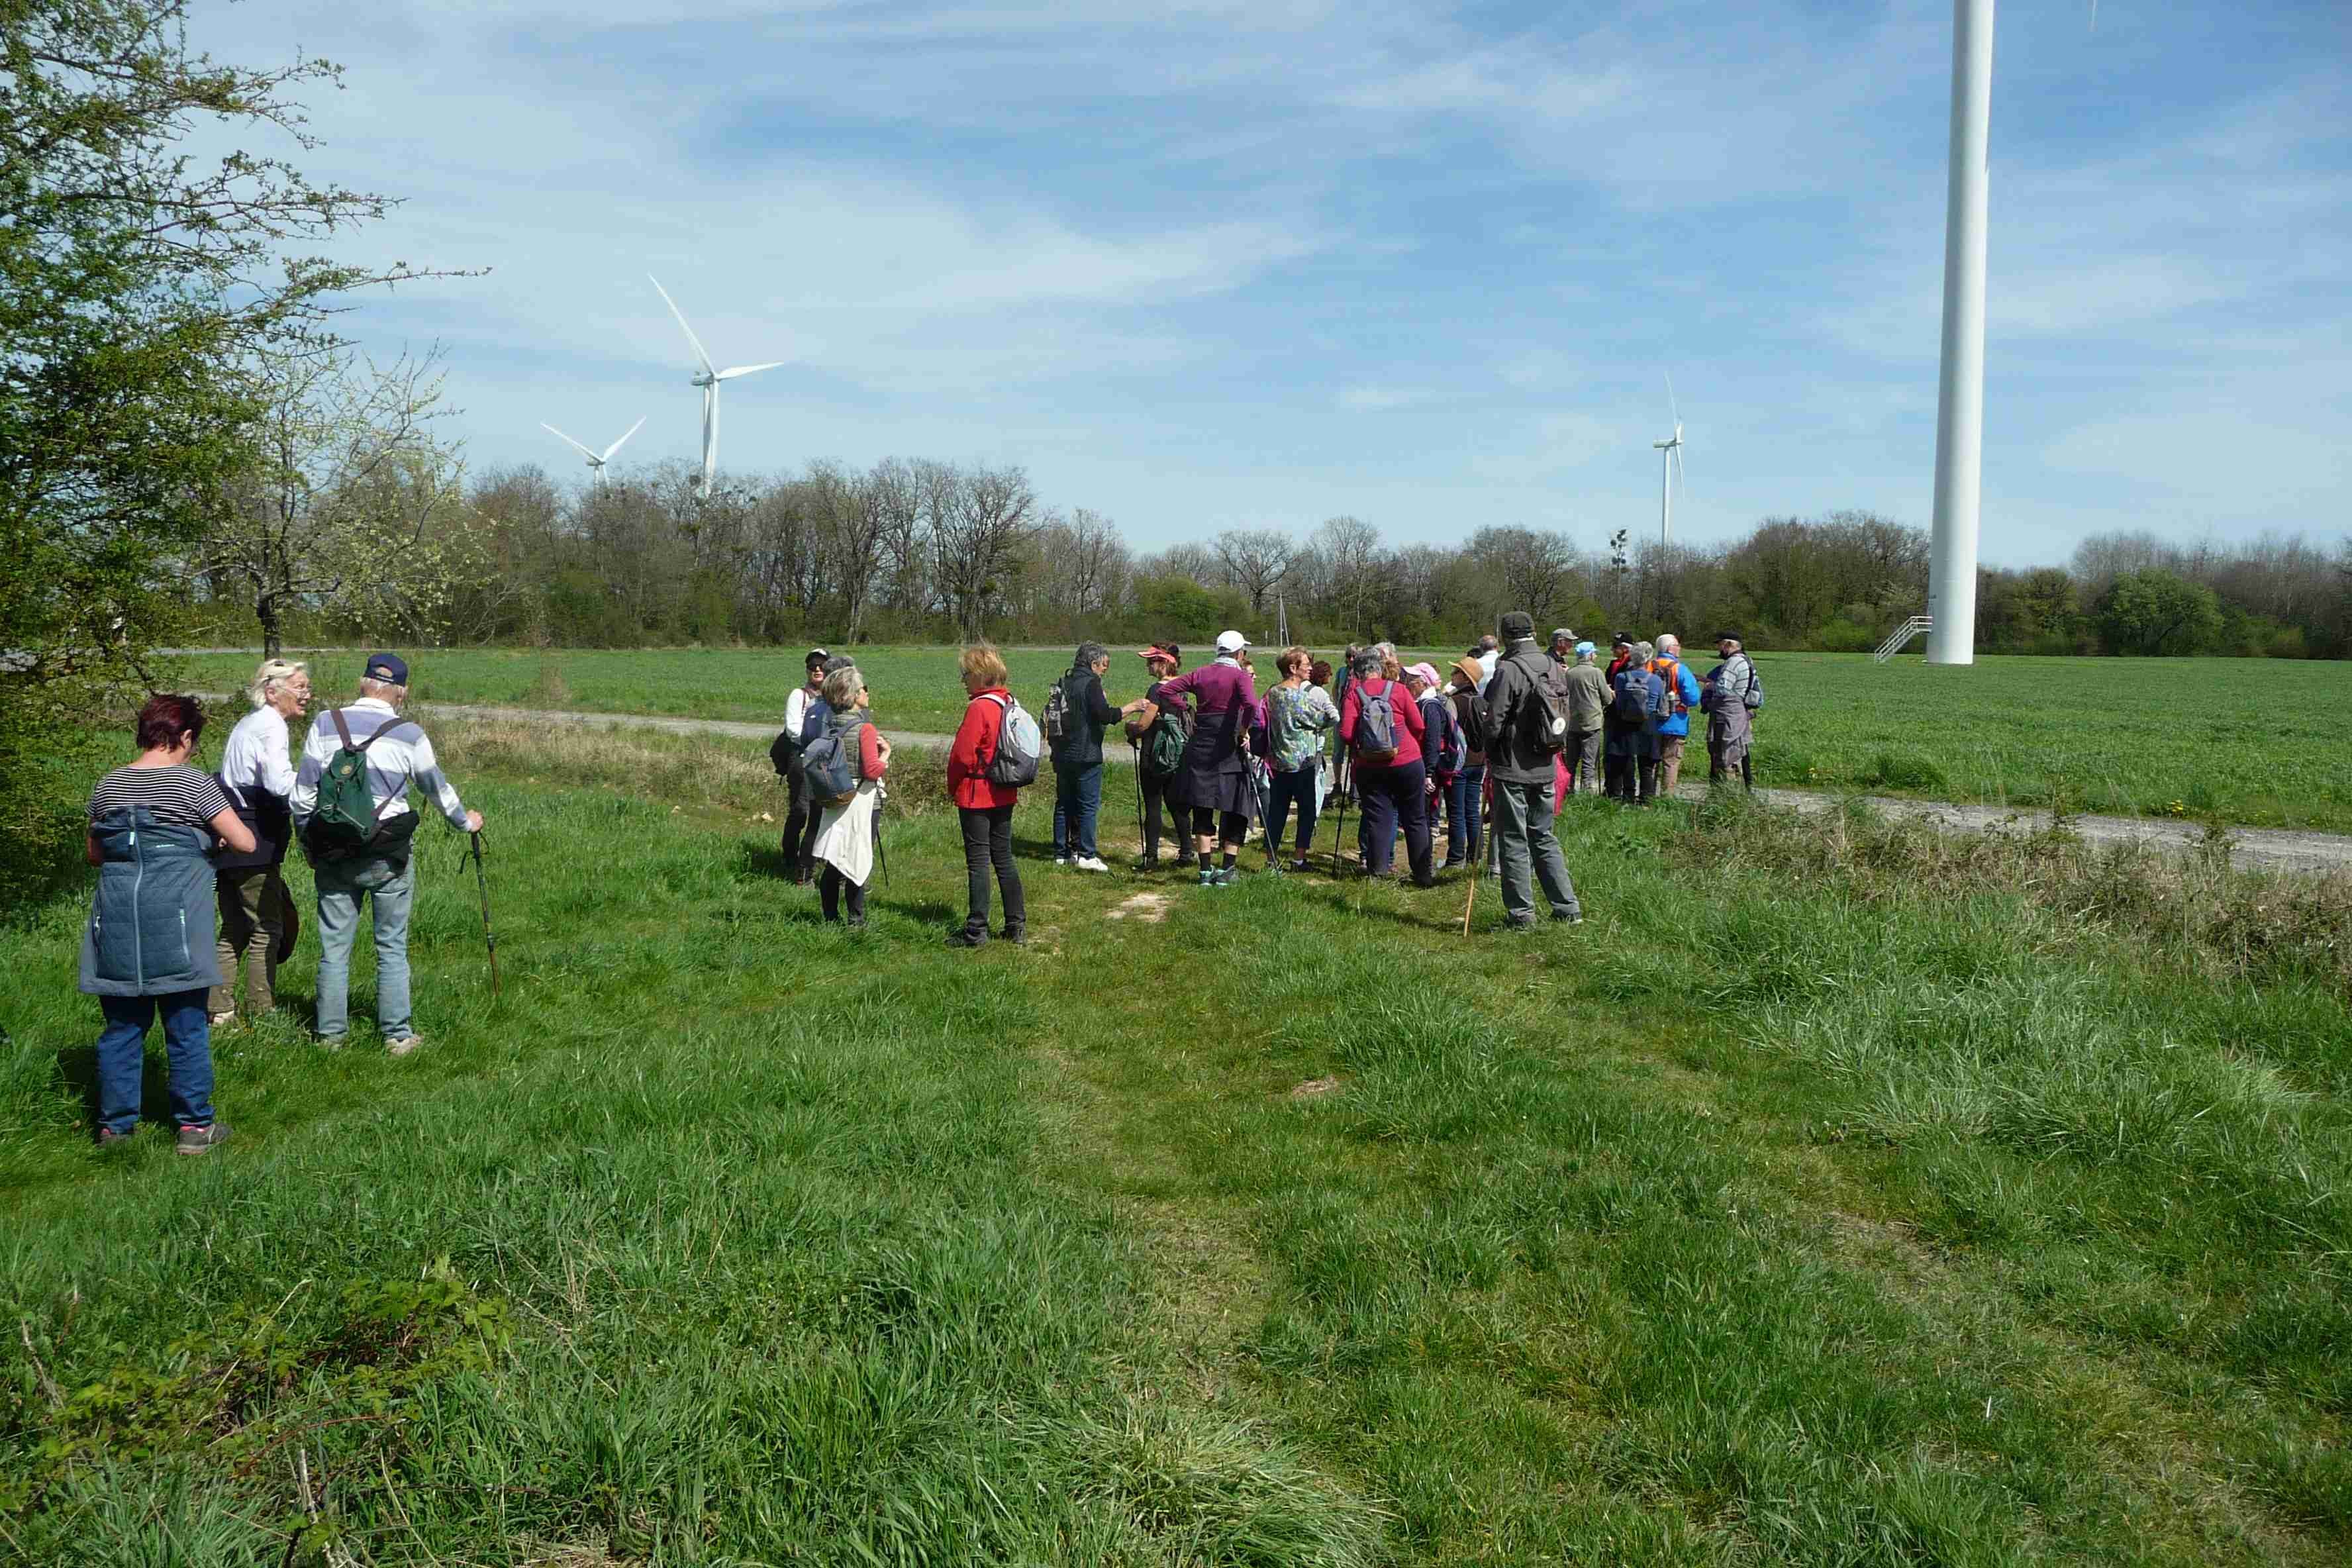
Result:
pixel 1462 797
pixel 1294 788
pixel 1077 802
pixel 341 885
pixel 122 1057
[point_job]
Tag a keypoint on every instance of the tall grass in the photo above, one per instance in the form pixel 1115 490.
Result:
pixel 1837 1194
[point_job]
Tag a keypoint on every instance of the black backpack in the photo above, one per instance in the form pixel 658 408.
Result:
pixel 1543 711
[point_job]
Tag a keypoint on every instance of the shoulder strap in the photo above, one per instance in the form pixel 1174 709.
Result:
pixel 342 729
pixel 380 734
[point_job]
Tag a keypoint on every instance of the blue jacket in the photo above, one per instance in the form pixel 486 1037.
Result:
pixel 1687 695
pixel 150 921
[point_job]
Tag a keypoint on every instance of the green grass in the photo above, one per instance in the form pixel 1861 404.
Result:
pixel 1835 1194
pixel 2263 743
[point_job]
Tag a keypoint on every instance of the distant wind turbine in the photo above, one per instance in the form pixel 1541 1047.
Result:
pixel 597 460
pixel 1670 464
pixel 707 379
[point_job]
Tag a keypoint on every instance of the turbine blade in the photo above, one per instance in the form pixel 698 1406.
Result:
pixel 699 352
pixel 569 442
pixel 1671 406
pixel 748 369
pixel 625 435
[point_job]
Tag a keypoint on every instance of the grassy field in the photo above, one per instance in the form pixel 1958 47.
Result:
pixel 2263 743
pixel 1833 1196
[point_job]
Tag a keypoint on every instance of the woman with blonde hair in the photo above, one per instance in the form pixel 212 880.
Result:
pixel 257 924
pixel 984 806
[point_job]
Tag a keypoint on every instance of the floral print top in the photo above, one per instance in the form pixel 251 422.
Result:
pixel 1296 717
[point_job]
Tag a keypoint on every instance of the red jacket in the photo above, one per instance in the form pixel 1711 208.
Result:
pixel 1408 726
pixel 974 749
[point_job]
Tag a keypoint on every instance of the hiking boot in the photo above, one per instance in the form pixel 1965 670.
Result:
pixel 1299 866
pixel 220 1020
pixel 963 938
pixel 108 1138
pixel 1517 927
pixel 1568 919
pixel 1225 876
pixel 200 1139
pixel 403 1045
pixel 1017 935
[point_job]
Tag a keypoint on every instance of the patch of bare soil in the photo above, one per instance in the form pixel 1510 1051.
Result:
pixel 1149 907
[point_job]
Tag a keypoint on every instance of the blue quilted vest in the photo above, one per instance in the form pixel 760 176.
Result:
pixel 150 925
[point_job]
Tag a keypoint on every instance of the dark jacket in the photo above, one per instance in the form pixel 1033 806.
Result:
pixel 1511 759
pixel 1090 714
pixel 1470 713
pixel 150 921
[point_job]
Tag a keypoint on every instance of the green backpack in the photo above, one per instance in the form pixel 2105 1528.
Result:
pixel 1163 746
pixel 348 814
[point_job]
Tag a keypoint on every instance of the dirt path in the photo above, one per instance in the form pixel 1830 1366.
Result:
pixel 2264 848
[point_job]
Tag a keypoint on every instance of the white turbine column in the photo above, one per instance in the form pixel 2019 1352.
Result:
pixel 710 435
pixel 1960 406
pixel 1666 496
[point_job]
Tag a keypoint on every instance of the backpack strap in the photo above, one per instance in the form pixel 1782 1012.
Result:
pixel 342 729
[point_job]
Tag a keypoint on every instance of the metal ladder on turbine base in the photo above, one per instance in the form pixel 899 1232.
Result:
pixel 1900 637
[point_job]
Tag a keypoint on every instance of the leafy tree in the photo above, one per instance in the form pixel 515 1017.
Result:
pixel 2153 610
pixel 135 281
pixel 347 504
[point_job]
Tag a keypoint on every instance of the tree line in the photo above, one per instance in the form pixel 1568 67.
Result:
pixel 918 550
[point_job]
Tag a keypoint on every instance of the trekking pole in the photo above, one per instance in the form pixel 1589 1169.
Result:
pixel 490 940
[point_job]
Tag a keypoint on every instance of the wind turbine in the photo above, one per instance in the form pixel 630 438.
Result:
pixel 1960 382
pixel 707 379
pixel 597 460
pixel 1669 463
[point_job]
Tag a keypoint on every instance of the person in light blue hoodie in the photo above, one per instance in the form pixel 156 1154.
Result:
pixel 1674 734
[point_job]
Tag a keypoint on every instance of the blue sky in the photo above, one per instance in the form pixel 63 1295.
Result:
pixel 1216 263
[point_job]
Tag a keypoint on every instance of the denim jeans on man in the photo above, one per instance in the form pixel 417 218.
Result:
pixel 1464 792
pixel 342 886
pixel 122 1059
pixel 1295 787
pixel 1529 853
pixel 1077 802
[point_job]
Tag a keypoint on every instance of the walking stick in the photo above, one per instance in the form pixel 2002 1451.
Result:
pixel 1340 788
pixel 1479 874
pixel 490 940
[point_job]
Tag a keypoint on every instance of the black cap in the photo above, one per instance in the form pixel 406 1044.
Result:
pixel 1620 639
pixel 387 666
pixel 1728 637
pixel 1516 624
pixel 816 656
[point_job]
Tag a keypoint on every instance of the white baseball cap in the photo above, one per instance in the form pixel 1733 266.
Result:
pixel 1231 642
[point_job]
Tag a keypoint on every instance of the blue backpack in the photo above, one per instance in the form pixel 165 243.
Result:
pixel 829 765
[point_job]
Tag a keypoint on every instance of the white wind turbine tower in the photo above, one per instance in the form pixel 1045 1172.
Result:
pixel 597 460
pixel 707 379
pixel 1670 464
pixel 1960 390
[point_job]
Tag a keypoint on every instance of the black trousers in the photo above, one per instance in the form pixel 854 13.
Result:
pixel 1155 798
pixel 1632 778
pixel 829 890
pixel 988 845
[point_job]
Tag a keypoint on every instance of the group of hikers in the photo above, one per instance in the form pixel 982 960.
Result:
pixel 1505 736
pixel 190 889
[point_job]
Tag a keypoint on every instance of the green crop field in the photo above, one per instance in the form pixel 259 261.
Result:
pixel 1836 1195
pixel 2258 741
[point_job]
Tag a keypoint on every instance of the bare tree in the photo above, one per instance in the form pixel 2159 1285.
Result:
pixel 1348 556
pixel 980 521
pixel 1532 568
pixel 1256 561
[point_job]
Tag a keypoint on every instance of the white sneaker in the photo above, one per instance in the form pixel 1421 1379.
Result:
pixel 1091 863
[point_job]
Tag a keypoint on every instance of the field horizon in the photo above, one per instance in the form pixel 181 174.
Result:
pixel 2256 743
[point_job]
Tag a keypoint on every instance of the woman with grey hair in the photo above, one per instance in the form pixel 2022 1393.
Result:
pixel 845 838
pixel 257 924
pixel 1077 714
pixel 1640 706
